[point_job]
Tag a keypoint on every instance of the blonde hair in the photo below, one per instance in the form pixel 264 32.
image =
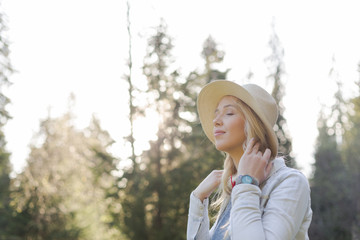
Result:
pixel 254 128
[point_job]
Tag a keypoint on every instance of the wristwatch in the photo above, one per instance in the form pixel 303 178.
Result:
pixel 246 179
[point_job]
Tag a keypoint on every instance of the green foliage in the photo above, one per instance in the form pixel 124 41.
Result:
pixel 157 192
pixel 333 190
pixel 5 168
pixel 351 155
pixel 6 69
pixel 62 193
pixel 330 192
pixel 277 71
pixel 212 55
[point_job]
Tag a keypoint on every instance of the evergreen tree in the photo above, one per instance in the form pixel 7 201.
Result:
pixel 202 154
pixel 330 193
pixel 143 205
pixel 277 71
pixel 199 156
pixel 351 154
pixel 62 193
pixel 131 89
pixel 212 56
pixel 104 168
pixel 158 194
pixel 132 216
pixel 164 152
pixel 5 166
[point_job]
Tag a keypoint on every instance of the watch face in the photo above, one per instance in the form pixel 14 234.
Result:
pixel 246 179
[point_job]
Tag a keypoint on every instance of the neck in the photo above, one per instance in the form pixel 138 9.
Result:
pixel 236 156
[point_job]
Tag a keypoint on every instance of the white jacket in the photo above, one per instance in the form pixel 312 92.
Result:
pixel 280 210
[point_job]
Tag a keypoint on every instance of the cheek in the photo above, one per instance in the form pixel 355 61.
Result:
pixel 237 124
pixel 239 129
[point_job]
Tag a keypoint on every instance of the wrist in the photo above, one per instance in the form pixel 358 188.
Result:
pixel 246 179
pixel 201 197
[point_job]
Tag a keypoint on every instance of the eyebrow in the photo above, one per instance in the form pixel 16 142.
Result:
pixel 226 106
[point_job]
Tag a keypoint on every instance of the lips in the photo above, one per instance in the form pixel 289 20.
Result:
pixel 218 133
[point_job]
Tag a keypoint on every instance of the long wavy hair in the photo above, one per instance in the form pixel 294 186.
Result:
pixel 254 128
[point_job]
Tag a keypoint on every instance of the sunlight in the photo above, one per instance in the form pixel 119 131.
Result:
pixel 145 130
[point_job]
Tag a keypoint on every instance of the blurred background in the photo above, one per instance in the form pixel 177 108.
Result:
pixel 99 134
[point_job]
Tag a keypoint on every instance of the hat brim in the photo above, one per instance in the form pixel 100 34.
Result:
pixel 210 96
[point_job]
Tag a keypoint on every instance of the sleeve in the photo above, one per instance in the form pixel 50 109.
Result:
pixel 198 219
pixel 282 216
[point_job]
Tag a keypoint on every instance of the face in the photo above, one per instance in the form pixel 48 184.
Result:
pixel 229 125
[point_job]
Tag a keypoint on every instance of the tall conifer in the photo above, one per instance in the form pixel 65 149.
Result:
pixel 330 186
pixel 176 160
pixel 201 154
pixel 277 71
pixel 329 190
pixel 63 191
pixel 165 152
pixel 5 166
pixel 132 214
pixel 351 153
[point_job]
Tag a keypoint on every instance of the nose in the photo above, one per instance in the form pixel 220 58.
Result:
pixel 217 121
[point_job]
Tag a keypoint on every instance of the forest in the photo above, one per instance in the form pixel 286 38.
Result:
pixel 72 186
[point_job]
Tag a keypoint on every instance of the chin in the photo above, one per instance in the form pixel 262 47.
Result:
pixel 223 147
pixel 220 147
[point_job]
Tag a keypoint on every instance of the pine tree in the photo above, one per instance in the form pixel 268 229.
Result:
pixel 62 193
pixel 159 193
pixel 277 71
pixel 203 156
pixel 131 89
pixel 5 167
pixel 144 195
pixel 212 56
pixel 164 152
pixel 330 193
pixel 351 153
pixel 199 156
pixel 132 215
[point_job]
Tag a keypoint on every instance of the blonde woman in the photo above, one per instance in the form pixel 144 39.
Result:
pixel 259 197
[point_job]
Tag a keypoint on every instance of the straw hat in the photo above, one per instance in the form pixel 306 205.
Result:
pixel 259 100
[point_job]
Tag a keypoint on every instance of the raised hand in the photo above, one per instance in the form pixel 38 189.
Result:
pixel 255 163
pixel 208 185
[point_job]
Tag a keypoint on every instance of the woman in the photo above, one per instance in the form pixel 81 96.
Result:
pixel 259 197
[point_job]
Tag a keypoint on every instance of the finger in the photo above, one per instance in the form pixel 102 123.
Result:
pixel 250 145
pixel 256 148
pixel 267 154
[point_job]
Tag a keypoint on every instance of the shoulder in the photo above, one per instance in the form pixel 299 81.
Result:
pixel 286 187
pixel 294 177
pixel 283 175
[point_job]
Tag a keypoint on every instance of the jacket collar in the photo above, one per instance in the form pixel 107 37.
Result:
pixel 279 163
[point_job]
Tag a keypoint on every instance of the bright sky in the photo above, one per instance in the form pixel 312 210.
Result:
pixel 81 47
